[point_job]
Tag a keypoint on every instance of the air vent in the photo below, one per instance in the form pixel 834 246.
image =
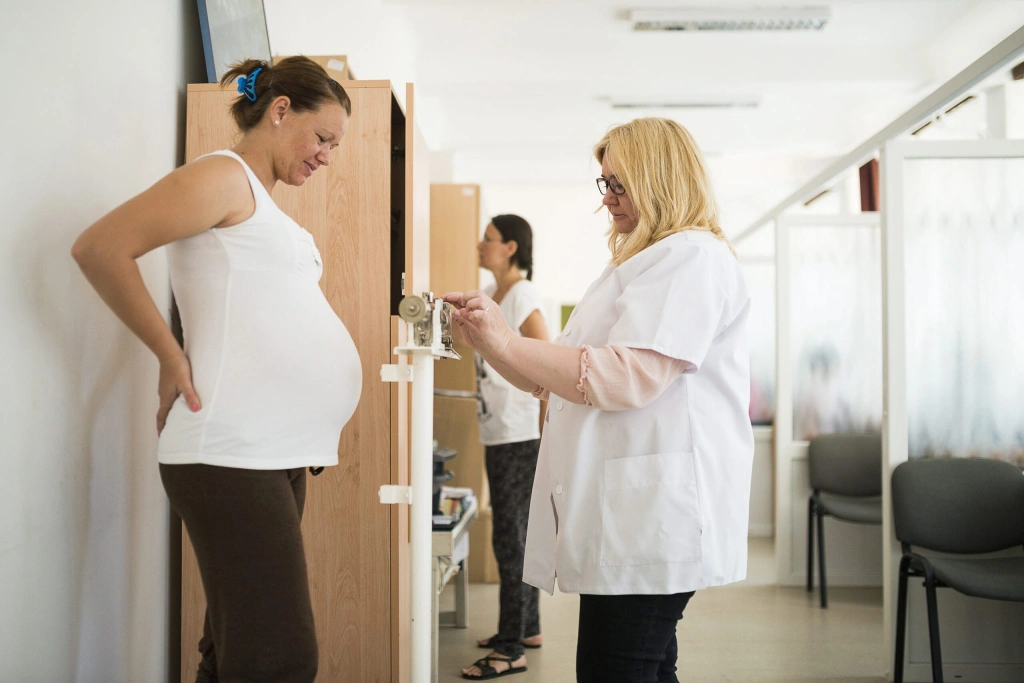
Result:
pixel 731 19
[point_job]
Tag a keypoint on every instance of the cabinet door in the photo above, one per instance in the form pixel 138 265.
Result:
pixel 455 266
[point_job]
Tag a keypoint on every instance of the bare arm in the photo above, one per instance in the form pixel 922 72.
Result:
pixel 543 364
pixel 526 363
pixel 188 201
pixel 514 378
pixel 534 327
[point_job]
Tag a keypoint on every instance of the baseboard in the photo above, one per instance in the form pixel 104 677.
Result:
pixel 836 580
pixel 964 673
pixel 766 530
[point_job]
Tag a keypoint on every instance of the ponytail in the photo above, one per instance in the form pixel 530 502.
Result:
pixel 304 82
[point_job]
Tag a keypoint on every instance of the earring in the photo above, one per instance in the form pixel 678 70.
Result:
pixel 278 122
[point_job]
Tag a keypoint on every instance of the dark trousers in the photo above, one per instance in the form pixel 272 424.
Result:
pixel 628 638
pixel 244 527
pixel 510 471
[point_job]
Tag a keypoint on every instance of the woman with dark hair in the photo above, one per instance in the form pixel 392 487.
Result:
pixel 268 376
pixel 510 424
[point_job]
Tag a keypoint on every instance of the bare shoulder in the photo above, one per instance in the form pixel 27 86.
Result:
pixel 215 173
pixel 207 193
pixel 218 181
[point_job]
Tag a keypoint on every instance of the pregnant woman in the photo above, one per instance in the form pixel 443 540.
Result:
pixel 268 376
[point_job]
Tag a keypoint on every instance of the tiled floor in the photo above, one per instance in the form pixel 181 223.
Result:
pixel 752 632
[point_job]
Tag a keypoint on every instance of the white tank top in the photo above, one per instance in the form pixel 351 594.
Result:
pixel 274 367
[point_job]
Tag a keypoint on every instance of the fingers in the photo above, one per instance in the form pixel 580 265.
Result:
pixel 468 328
pixel 471 317
pixel 191 399
pixel 456 299
pixel 463 299
pixel 478 303
pixel 175 380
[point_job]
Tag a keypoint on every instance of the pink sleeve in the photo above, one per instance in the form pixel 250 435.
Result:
pixel 621 378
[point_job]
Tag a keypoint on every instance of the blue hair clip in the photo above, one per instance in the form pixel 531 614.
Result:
pixel 247 85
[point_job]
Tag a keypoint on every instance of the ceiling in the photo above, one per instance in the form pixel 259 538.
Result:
pixel 520 91
pixel 516 92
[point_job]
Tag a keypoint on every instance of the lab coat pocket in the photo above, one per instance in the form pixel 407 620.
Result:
pixel 650 513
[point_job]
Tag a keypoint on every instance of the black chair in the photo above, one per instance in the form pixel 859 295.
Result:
pixel 962 506
pixel 846 476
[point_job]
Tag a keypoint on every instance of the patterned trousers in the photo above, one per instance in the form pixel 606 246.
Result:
pixel 510 471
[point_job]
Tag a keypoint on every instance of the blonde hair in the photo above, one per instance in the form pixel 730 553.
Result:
pixel 663 172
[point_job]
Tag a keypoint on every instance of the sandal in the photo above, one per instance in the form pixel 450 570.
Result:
pixel 489 644
pixel 488 672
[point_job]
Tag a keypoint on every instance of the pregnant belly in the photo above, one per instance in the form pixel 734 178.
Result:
pixel 299 370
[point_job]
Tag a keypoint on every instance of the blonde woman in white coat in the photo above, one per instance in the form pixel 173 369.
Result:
pixel 643 479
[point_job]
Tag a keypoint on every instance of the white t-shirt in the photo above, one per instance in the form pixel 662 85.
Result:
pixel 507 414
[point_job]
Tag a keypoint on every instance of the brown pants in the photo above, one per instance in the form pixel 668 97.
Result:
pixel 244 527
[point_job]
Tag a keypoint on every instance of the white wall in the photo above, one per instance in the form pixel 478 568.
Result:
pixel 95 116
pixel 377 37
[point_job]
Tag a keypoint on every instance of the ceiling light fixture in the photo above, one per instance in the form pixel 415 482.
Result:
pixel 738 103
pixel 731 19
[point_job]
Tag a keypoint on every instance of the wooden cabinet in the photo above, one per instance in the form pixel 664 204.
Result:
pixel 369 214
pixel 455 228
pixel 455 266
pixel 336 65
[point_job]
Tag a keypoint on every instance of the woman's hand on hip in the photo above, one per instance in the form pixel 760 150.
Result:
pixel 175 380
pixel 481 322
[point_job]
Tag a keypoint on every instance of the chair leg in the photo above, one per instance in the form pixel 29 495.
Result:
pixel 901 621
pixel 933 628
pixel 821 558
pixel 810 544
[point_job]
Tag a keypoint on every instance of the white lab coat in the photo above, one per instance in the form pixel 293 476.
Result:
pixel 652 500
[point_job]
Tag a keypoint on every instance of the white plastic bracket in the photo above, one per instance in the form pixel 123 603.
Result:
pixel 396 373
pixel 395 495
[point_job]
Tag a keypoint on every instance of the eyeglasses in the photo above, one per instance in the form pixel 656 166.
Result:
pixel 605 184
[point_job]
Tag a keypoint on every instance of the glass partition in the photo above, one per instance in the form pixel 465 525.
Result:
pixel 964 256
pixel 835 327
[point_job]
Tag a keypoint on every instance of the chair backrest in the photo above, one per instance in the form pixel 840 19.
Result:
pixel 846 464
pixel 959 505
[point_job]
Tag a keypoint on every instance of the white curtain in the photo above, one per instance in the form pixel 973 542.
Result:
pixel 964 222
pixel 836 329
